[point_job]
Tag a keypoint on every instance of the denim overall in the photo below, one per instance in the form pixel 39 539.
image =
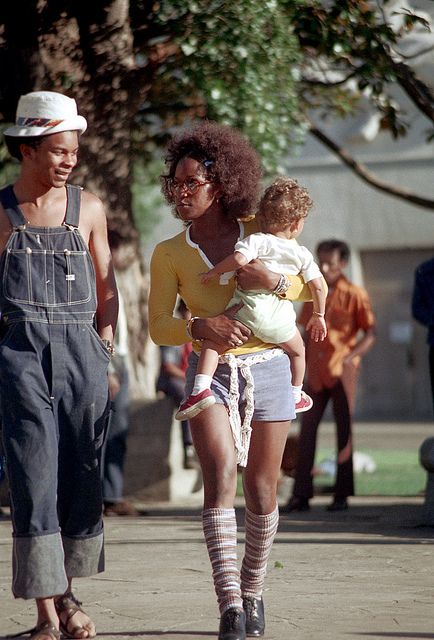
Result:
pixel 53 401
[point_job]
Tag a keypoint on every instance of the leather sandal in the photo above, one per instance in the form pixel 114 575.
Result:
pixel 46 628
pixel 69 604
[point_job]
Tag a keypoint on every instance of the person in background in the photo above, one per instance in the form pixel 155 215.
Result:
pixel 332 374
pixel 171 382
pixel 422 307
pixel 115 446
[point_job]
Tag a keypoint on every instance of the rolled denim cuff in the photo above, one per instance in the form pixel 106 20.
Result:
pixel 38 566
pixel 84 557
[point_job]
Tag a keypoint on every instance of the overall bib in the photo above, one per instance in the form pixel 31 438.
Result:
pixel 53 401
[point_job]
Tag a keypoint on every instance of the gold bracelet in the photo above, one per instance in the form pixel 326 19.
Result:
pixel 318 313
pixel 188 328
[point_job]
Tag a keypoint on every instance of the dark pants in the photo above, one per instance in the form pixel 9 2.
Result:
pixel 175 389
pixel 431 371
pixel 303 486
pixel 54 406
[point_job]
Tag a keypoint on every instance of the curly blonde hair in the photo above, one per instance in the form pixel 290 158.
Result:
pixel 283 203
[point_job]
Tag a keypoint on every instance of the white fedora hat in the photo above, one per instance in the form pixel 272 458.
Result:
pixel 41 113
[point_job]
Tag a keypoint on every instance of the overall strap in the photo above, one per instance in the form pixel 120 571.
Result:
pixel 11 207
pixel 73 197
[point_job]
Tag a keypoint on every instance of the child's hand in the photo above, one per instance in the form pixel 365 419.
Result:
pixel 207 276
pixel 317 328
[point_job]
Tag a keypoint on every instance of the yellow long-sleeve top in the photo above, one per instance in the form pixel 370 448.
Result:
pixel 175 267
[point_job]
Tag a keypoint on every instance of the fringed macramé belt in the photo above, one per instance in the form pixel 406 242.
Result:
pixel 241 431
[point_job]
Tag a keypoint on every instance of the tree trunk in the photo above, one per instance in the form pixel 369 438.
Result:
pixel 85 50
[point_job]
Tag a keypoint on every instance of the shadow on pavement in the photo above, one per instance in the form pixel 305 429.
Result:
pixel 168 632
pixel 378 522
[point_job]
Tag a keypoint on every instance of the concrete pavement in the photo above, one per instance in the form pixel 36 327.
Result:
pixel 365 573
pixel 362 574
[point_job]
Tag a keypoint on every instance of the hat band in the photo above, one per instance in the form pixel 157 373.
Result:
pixel 37 122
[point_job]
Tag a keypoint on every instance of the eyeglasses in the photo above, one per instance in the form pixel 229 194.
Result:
pixel 190 186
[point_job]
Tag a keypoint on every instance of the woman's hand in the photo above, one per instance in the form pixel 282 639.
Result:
pixel 223 329
pixel 206 276
pixel 255 275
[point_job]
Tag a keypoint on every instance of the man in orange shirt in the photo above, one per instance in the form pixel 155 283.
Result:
pixel 332 374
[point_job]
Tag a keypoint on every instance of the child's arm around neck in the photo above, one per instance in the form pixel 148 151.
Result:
pixel 230 263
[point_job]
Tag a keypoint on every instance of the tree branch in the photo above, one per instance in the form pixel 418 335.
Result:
pixel 367 176
pixel 417 90
pixel 413 56
pixel 314 82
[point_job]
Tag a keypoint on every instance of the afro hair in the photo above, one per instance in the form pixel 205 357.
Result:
pixel 228 159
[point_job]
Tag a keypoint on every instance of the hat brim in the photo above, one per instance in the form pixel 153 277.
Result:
pixel 77 123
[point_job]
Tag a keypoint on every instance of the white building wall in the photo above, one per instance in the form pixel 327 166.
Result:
pixel 348 208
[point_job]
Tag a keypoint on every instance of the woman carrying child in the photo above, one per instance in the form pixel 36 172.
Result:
pixel 212 183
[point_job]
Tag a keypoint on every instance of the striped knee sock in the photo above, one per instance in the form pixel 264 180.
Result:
pixel 260 532
pixel 220 530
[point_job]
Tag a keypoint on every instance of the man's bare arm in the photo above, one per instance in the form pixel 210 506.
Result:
pixel 94 219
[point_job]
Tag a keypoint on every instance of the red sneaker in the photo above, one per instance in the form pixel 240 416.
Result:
pixel 195 404
pixel 304 404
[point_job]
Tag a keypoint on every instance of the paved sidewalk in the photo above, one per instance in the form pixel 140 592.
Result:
pixel 365 573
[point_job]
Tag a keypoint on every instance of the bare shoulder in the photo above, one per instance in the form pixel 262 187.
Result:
pixel 92 216
pixel 91 206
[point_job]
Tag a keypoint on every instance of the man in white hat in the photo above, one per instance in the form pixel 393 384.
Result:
pixel 58 305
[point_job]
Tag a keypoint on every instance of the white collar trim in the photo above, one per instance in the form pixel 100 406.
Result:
pixel 194 245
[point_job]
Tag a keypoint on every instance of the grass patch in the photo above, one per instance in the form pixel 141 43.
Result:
pixel 398 473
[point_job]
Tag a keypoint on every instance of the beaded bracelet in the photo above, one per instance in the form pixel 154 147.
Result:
pixel 282 286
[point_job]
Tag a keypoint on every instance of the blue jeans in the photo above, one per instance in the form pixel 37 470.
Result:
pixel 54 408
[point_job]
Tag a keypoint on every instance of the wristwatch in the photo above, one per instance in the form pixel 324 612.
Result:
pixel 109 346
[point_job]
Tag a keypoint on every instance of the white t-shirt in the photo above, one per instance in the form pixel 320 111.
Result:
pixel 281 255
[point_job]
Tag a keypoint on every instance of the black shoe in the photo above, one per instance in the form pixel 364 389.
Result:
pixel 338 504
pixel 296 503
pixel 233 625
pixel 255 619
pixel 122 508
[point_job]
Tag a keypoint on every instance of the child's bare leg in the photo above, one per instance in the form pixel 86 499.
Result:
pixel 208 361
pixel 208 358
pixel 295 350
pixel 201 396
